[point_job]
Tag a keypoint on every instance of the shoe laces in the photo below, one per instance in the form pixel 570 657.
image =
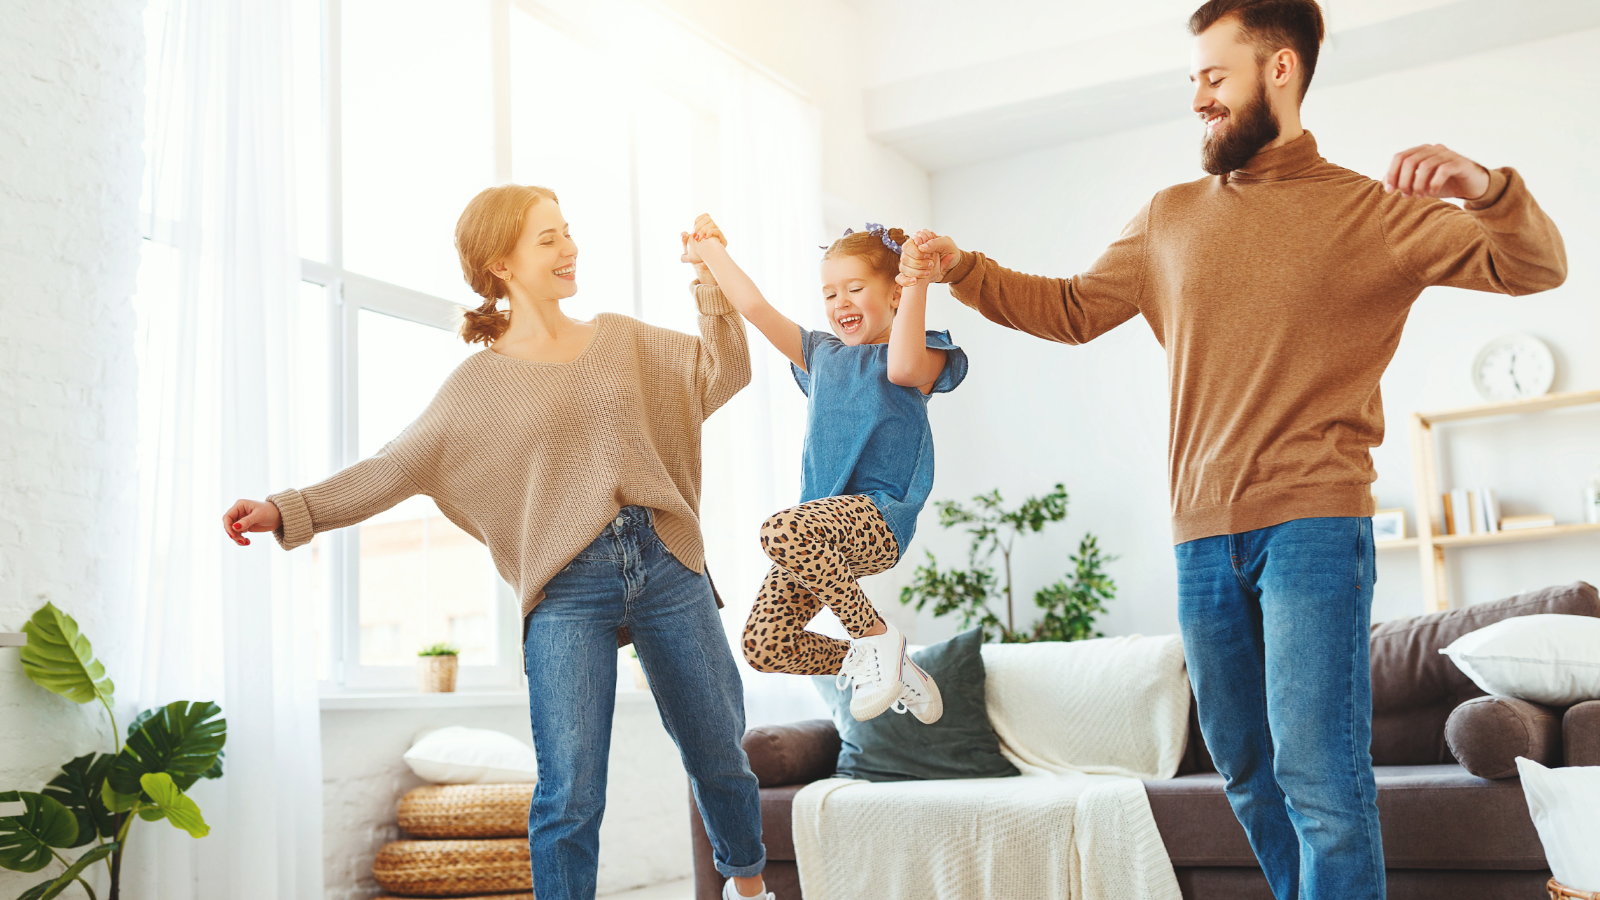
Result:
pixel 862 665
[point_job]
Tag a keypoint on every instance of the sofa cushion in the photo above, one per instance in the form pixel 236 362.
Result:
pixel 1414 689
pixel 897 747
pixel 1487 734
pixel 1580 734
pixel 1549 659
pixel 1433 817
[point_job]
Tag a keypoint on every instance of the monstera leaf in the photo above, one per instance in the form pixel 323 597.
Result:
pixel 51 889
pixel 58 658
pixel 25 840
pixel 78 789
pixel 172 805
pixel 181 739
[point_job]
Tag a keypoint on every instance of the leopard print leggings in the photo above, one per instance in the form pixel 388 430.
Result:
pixel 818 550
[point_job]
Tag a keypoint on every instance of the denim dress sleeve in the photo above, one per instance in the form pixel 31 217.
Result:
pixel 808 342
pixel 955 362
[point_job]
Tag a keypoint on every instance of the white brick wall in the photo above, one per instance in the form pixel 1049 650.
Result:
pixel 71 123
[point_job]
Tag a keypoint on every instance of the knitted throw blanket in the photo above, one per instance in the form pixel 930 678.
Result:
pixel 1084 722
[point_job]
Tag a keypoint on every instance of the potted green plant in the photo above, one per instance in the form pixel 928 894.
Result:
pixel 437 666
pixel 1070 604
pixel 97 797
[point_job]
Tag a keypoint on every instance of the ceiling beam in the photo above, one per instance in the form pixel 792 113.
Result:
pixel 1128 80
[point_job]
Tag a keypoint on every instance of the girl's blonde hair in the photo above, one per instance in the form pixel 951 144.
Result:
pixel 486 233
pixel 869 245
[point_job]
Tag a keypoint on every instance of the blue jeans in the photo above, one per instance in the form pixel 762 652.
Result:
pixel 627 577
pixel 1275 629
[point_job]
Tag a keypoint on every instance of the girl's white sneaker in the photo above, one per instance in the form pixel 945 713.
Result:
pixel 729 892
pixel 918 693
pixel 874 666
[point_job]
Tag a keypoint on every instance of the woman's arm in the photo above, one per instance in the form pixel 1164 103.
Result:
pixel 708 244
pixel 360 492
pixel 724 362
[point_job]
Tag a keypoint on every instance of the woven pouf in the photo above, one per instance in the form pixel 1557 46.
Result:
pixel 454 868
pixel 466 810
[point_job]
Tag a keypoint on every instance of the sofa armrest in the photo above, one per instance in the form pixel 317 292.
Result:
pixel 1580 733
pixel 796 753
pixel 1487 734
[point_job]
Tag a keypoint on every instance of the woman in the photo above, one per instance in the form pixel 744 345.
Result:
pixel 572 450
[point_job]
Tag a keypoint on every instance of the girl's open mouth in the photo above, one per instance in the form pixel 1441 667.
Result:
pixel 850 323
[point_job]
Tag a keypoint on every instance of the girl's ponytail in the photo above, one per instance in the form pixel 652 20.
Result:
pixel 879 246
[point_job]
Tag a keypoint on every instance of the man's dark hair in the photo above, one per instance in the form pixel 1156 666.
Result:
pixel 1271 25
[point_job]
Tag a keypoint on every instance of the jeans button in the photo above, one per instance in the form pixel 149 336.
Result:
pixel 620 522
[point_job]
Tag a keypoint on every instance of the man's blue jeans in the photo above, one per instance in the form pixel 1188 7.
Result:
pixel 1275 629
pixel 627 577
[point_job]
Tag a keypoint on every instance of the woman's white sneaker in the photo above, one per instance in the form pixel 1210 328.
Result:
pixel 874 665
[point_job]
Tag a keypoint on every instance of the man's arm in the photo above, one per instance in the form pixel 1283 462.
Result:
pixel 1070 310
pixel 1501 241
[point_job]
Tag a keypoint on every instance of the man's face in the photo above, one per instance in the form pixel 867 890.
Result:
pixel 1230 97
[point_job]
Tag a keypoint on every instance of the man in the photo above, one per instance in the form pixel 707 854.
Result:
pixel 1278 287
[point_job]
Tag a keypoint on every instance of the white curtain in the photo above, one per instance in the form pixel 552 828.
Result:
pixel 216 310
pixel 771 205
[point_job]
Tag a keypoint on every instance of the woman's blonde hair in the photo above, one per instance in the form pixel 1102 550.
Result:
pixel 486 233
pixel 869 245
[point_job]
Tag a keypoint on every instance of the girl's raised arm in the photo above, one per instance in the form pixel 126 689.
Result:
pixel 912 363
pixel 708 244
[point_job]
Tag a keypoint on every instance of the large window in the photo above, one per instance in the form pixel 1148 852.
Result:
pixel 405 110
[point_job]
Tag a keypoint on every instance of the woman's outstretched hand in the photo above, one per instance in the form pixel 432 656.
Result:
pixel 704 230
pixel 926 257
pixel 247 516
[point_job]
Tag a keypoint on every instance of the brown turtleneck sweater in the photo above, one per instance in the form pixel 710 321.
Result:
pixel 1279 292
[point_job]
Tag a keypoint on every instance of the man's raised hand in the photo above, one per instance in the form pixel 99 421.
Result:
pixel 926 257
pixel 1434 170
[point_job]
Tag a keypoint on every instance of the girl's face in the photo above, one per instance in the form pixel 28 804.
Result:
pixel 860 301
pixel 544 263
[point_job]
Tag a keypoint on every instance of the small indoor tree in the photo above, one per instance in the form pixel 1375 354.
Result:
pixel 97 797
pixel 1070 604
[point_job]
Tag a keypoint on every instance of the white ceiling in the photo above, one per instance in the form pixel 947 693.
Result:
pixel 961 82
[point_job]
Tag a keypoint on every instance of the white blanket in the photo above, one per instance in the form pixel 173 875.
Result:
pixel 1084 722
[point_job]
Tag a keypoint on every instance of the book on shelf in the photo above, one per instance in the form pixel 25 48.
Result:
pixel 1460 502
pixel 1491 510
pixel 1535 520
pixel 1472 512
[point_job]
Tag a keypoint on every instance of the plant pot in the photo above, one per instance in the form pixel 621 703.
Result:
pixel 437 674
pixel 1559 891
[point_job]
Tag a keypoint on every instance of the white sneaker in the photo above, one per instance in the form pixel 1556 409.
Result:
pixel 729 892
pixel 918 693
pixel 874 664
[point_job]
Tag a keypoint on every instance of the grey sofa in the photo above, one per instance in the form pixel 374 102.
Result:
pixel 1447 832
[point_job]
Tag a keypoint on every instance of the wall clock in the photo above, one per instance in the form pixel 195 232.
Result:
pixel 1513 367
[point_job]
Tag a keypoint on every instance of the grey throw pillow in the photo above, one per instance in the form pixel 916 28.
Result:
pixel 897 747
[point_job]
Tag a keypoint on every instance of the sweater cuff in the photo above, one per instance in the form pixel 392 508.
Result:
pixel 294 519
pixel 1499 180
pixel 969 261
pixel 712 301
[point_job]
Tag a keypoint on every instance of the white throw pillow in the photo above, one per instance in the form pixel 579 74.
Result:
pixel 458 755
pixel 1563 803
pixel 1549 659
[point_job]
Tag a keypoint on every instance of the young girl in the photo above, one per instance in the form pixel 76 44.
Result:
pixel 867 464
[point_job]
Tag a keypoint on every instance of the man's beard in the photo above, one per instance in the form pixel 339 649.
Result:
pixel 1242 135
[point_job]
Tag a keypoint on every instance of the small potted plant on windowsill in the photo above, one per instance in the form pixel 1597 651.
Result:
pixel 436 668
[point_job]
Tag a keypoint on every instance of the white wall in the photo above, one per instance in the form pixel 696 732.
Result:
pixel 71 100
pixel 1095 417
pixel 643 840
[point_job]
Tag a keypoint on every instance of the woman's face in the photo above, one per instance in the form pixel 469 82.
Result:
pixel 544 263
pixel 860 300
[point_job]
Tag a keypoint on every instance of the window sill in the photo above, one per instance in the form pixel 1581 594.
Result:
pixel 353 700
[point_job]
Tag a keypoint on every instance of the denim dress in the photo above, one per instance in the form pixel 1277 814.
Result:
pixel 865 434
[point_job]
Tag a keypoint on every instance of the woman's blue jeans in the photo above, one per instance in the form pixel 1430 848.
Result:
pixel 627 577
pixel 1276 632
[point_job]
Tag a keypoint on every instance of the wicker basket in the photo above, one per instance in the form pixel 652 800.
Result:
pixel 437 674
pixel 466 810
pixel 454 868
pixel 1559 891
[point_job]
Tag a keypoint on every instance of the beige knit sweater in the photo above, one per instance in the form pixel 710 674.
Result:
pixel 534 459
